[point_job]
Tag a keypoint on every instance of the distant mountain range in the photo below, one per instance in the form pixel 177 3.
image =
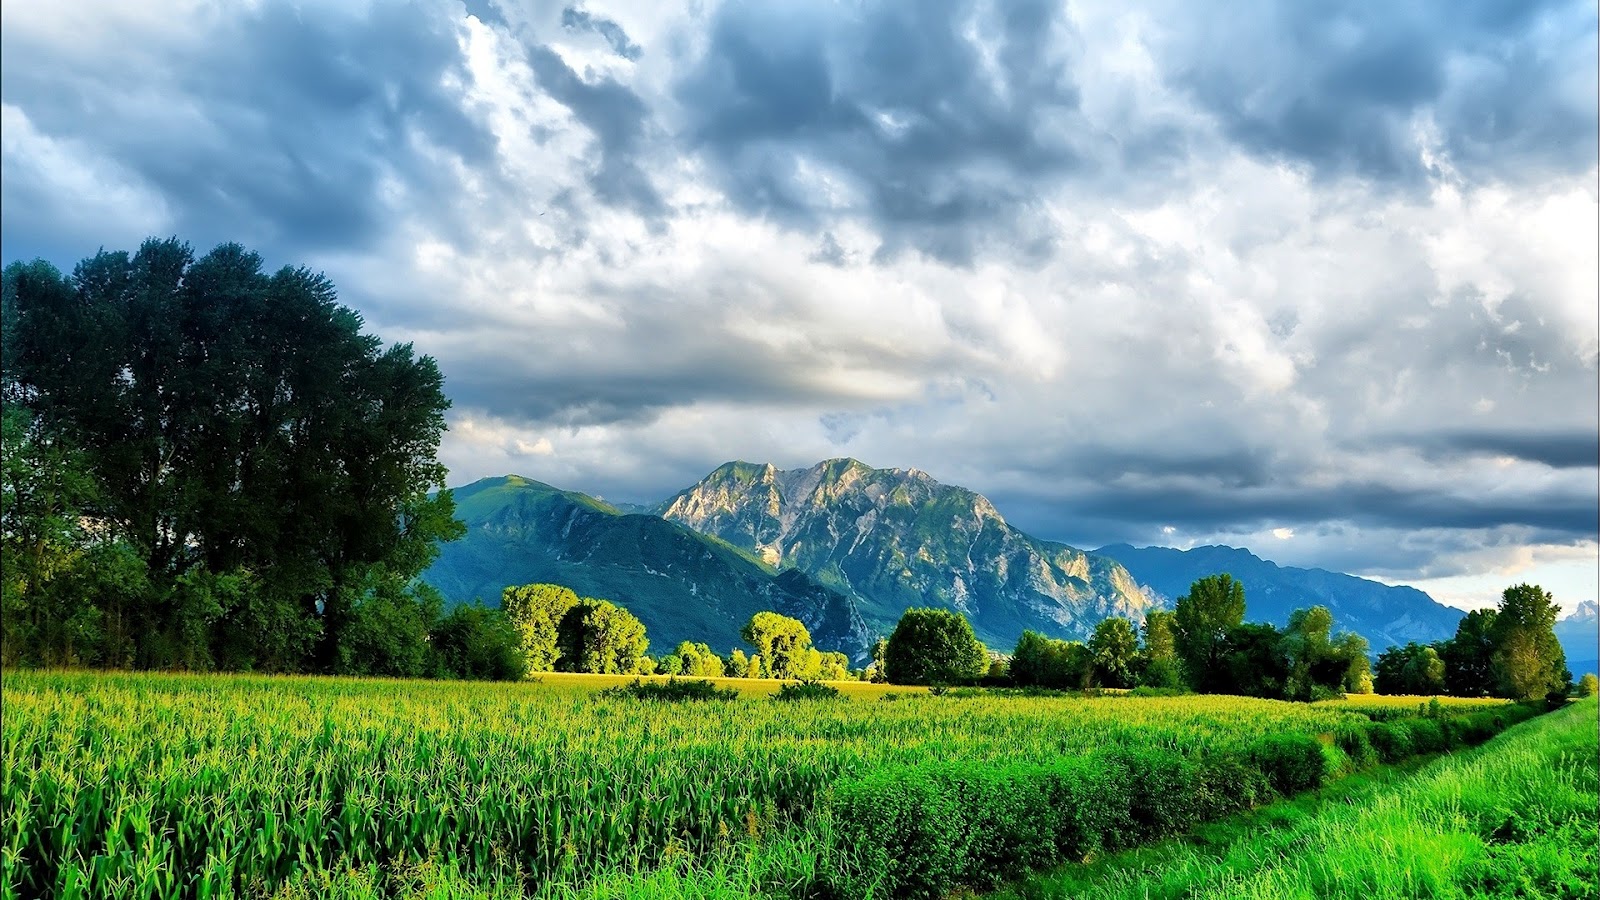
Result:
pixel 1381 613
pixel 682 585
pixel 847 548
pixel 893 539
pixel 1579 634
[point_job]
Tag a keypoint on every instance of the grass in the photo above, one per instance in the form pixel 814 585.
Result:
pixel 1515 817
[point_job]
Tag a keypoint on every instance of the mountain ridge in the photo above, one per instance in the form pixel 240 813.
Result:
pixel 897 538
pixel 682 584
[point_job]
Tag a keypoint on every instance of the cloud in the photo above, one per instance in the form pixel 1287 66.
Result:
pixel 1135 272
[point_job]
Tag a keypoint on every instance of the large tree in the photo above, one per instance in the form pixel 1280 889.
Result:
pixel 1159 663
pixel 1528 661
pixel 934 646
pixel 1203 618
pixel 1469 656
pixel 535 611
pixel 240 425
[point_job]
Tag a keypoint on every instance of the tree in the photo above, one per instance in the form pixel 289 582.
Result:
pixel 1528 661
pixel 1159 664
pixel 1039 661
pixel 1252 662
pixel 239 425
pixel 1414 669
pixel 698 660
pixel 1114 649
pixel 535 610
pixel 738 665
pixel 1202 619
pixel 477 642
pixel 1587 685
pixel 880 655
pixel 934 646
pixel 781 642
pixel 1469 656
pixel 599 636
pixel 835 667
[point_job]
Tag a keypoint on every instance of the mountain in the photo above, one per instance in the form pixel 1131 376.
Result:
pixel 1384 615
pixel 1579 634
pixel 895 538
pixel 681 584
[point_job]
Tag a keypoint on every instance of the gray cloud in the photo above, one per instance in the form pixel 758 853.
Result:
pixel 1120 272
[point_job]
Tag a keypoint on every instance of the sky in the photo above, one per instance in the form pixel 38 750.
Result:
pixel 1314 279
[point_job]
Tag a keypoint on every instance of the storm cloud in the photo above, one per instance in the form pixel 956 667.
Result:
pixel 1317 279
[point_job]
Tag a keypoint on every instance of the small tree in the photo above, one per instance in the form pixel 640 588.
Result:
pixel 934 646
pixel 1587 685
pixel 1469 656
pixel 474 641
pixel 738 665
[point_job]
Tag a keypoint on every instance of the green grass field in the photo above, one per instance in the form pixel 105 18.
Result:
pixel 166 786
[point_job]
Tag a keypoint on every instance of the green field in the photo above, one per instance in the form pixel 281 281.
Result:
pixel 1513 818
pixel 206 786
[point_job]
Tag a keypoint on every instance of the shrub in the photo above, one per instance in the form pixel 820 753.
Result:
pixel 1588 684
pixel 806 690
pixel 673 690
pixel 1291 762
pixel 1356 745
pixel 1392 740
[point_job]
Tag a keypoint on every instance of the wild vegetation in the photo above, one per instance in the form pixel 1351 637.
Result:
pixel 194 785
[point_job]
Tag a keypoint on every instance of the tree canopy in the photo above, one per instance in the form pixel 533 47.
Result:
pixel 1202 619
pixel 934 646
pixel 235 469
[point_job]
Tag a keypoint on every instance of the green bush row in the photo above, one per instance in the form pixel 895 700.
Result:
pixel 922 831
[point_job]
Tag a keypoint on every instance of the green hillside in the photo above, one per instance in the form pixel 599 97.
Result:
pixel 683 585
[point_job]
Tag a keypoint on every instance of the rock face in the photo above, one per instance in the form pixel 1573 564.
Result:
pixel 683 585
pixel 893 539
pixel 1381 613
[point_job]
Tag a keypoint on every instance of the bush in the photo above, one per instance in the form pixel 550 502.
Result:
pixel 1588 684
pixel 1291 763
pixel 806 690
pixel 1392 740
pixel 673 690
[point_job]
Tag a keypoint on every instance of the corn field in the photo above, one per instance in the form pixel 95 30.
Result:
pixel 180 786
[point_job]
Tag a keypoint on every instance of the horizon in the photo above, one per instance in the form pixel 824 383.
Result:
pixel 1332 300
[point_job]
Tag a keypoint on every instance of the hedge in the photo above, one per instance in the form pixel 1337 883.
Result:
pixel 923 831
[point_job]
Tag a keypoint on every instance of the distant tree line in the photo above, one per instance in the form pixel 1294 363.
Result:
pixel 206 466
pixel 558 631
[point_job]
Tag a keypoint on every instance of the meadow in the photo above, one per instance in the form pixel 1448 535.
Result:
pixel 176 786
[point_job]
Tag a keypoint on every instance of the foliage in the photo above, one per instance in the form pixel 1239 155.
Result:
pixel 1044 662
pixel 783 644
pixel 1159 663
pixel 934 646
pixel 1587 685
pixel 263 468
pixel 536 610
pixel 673 690
pixel 1469 656
pixel 1202 621
pixel 1528 661
pixel 1114 650
pixel 806 690
pixel 600 637
pixel 477 642
pixel 1412 669
pixel 1252 662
